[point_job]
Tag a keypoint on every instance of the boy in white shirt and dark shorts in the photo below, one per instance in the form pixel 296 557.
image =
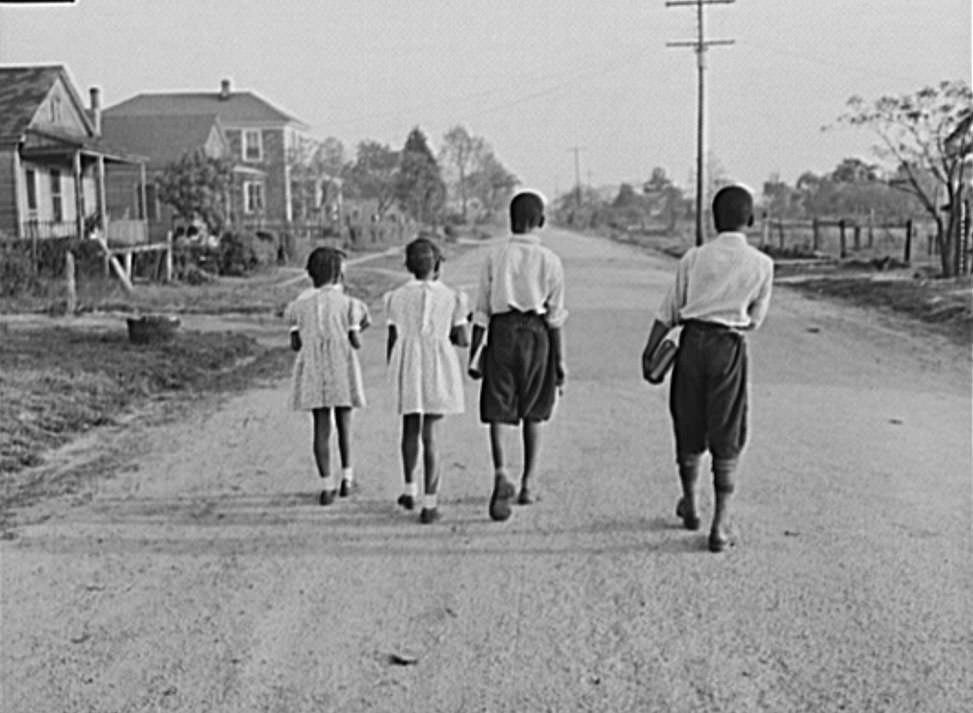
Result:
pixel 722 289
pixel 519 311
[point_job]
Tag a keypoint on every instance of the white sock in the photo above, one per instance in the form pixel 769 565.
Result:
pixel 412 489
pixel 348 474
pixel 429 501
pixel 328 483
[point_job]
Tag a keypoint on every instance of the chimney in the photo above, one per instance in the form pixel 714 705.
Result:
pixel 95 111
pixel 224 90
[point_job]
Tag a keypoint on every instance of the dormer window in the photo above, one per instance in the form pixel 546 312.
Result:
pixel 253 149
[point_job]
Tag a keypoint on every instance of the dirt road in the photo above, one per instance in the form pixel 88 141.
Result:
pixel 205 578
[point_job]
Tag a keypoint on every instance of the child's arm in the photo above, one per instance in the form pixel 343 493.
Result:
pixel 458 335
pixel 295 339
pixel 390 343
pixel 477 339
pixel 290 314
pixel 557 350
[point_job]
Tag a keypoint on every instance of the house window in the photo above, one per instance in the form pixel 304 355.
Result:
pixel 57 207
pixel 253 149
pixel 55 109
pixel 31 180
pixel 253 197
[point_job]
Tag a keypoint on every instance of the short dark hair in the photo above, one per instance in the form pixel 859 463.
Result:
pixel 422 257
pixel 732 208
pixel 324 265
pixel 526 212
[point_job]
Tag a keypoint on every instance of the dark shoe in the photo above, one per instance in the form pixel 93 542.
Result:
pixel 503 493
pixel 524 497
pixel 406 501
pixel 719 541
pixel 327 497
pixel 689 520
pixel 428 515
pixel 347 488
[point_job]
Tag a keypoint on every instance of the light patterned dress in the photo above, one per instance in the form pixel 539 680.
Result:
pixel 326 371
pixel 424 368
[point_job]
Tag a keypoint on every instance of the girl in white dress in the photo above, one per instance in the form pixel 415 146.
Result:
pixel 425 320
pixel 325 328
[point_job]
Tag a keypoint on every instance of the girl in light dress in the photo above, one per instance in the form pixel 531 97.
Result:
pixel 325 332
pixel 426 319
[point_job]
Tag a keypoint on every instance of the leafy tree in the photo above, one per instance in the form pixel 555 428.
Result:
pixel 373 175
pixel 197 185
pixel 462 152
pixel 315 169
pixel 927 140
pixel 491 183
pixel 671 196
pixel 420 188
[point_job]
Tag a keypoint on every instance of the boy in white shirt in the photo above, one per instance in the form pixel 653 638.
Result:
pixel 722 289
pixel 520 312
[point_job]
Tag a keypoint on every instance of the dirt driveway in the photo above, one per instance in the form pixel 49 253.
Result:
pixel 204 577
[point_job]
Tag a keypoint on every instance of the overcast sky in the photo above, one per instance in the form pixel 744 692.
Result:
pixel 533 77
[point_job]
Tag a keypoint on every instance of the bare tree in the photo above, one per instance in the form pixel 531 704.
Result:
pixel 462 153
pixel 928 140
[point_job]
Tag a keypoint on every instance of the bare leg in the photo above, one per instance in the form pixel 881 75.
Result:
pixel 503 489
pixel 429 452
pixel 342 417
pixel 411 425
pixel 532 446
pixel 322 453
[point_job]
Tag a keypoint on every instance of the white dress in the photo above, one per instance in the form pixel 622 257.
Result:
pixel 326 370
pixel 424 368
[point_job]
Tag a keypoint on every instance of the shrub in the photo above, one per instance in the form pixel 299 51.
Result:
pixel 17 274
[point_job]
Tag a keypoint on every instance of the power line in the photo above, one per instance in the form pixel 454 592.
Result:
pixel 699 45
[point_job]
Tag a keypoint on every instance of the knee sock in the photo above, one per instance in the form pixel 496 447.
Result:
pixel 723 486
pixel 328 483
pixel 429 501
pixel 688 475
pixel 411 488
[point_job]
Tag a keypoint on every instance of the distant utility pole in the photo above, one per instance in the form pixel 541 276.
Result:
pixel 577 173
pixel 699 45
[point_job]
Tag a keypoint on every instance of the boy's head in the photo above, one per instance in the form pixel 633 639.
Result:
pixel 732 208
pixel 423 258
pixel 325 266
pixel 526 212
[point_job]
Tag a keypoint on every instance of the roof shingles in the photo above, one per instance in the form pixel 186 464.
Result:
pixel 238 107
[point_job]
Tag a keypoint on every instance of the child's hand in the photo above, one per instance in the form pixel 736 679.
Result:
pixel 295 340
pixel 365 323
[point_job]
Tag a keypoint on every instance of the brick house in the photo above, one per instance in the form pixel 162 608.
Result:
pixel 164 139
pixel 259 135
pixel 53 158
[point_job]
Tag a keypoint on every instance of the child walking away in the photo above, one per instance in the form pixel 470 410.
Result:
pixel 722 289
pixel 519 312
pixel 425 319
pixel 325 332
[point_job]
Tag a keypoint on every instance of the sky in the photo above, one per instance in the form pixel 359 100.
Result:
pixel 540 80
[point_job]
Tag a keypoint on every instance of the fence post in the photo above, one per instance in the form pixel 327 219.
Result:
pixel 871 228
pixel 841 228
pixel 907 254
pixel 780 229
pixel 169 256
pixel 857 236
pixel 815 237
pixel 72 285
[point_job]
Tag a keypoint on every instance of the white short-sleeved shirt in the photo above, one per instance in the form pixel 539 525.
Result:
pixel 522 275
pixel 726 281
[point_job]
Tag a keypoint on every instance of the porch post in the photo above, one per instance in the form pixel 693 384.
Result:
pixel 78 195
pixel 143 197
pixel 100 197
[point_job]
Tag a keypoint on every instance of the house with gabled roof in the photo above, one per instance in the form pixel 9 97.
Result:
pixel 53 157
pixel 260 136
pixel 164 139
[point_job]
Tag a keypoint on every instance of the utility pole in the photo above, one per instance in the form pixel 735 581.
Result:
pixel 577 174
pixel 699 45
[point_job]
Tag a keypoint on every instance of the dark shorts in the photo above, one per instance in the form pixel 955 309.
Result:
pixel 519 375
pixel 708 395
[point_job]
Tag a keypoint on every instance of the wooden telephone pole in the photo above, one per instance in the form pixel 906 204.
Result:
pixel 699 45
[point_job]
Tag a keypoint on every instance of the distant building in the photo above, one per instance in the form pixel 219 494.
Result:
pixel 53 158
pixel 259 135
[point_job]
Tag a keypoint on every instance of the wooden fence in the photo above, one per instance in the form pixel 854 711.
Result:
pixel 907 240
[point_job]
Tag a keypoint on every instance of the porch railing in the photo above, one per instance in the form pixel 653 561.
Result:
pixel 44 229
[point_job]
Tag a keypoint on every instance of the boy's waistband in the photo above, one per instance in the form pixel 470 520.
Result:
pixel 705 326
pixel 515 317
